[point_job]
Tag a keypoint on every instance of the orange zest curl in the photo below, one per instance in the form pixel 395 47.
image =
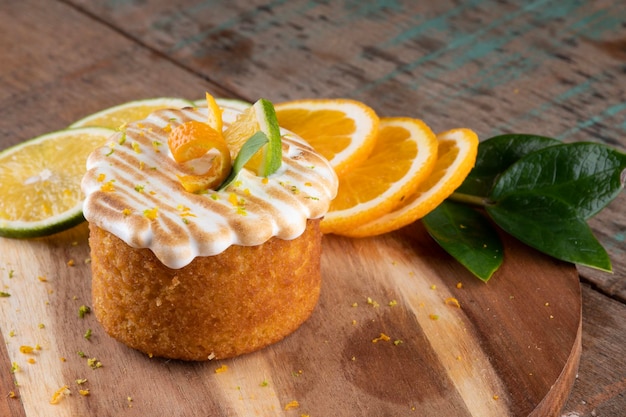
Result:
pixel 193 140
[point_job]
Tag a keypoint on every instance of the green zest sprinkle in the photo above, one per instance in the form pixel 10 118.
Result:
pixel 82 310
pixel 4 294
pixel 94 363
pixel 87 335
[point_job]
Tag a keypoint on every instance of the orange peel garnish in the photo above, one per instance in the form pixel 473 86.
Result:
pixel 193 140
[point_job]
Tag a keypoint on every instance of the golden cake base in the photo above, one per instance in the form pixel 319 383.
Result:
pixel 218 306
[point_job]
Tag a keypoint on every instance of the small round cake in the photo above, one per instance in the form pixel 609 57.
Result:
pixel 197 276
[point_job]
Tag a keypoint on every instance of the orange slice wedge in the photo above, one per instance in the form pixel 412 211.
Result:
pixel 191 143
pixel 456 157
pixel 342 130
pixel 403 156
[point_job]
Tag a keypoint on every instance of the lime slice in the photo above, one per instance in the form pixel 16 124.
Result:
pixel 117 116
pixel 40 181
pixel 268 124
pixel 261 116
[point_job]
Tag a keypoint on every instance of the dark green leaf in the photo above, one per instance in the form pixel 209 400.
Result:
pixel 551 226
pixel 468 236
pixel 495 155
pixel 247 151
pixel 585 176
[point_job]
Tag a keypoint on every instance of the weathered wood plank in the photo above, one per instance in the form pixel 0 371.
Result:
pixel 56 73
pixel 72 83
pixel 547 67
pixel 601 383
pixel 512 348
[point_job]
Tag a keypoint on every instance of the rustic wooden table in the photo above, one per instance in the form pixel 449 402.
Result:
pixel 549 67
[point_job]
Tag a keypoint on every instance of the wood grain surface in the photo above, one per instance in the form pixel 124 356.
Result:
pixel 545 66
pixel 511 348
pixel 548 67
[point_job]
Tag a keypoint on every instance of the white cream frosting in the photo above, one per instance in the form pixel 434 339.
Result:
pixel 132 191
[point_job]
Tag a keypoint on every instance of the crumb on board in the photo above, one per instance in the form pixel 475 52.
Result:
pixel 292 405
pixel 383 337
pixel 60 394
pixel 451 301
pixel 372 302
pixel 221 369
pixel 26 349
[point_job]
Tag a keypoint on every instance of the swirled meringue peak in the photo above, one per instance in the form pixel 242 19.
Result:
pixel 133 191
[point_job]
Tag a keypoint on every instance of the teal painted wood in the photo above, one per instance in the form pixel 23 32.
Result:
pixel 548 67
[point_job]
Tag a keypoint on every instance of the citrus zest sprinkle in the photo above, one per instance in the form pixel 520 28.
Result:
pixel 451 301
pixel 60 394
pixel 221 369
pixel 26 349
pixel 292 405
pixel 108 187
pixel 382 338
pixel 152 213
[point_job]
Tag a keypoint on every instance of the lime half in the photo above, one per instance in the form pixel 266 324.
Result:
pixel 40 181
pixel 115 117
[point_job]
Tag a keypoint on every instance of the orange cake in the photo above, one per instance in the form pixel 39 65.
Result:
pixel 197 276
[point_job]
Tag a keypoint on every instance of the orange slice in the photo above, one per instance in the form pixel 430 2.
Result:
pixel 342 130
pixel 191 143
pixel 403 156
pixel 214 118
pixel 457 155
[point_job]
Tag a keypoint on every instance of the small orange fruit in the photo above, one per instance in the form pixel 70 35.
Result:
pixel 191 142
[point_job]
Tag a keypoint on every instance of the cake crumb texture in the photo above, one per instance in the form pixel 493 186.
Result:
pixel 216 307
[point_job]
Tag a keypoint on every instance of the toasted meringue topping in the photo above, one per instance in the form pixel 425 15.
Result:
pixel 132 191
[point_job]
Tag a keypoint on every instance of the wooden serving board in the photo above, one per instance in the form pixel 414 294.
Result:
pixel 511 348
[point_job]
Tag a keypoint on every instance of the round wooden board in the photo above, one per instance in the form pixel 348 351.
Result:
pixel 511 348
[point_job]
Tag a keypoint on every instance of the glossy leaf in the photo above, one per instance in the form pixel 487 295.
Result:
pixel 551 226
pixel 496 155
pixel 468 236
pixel 584 176
pixel 247 151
